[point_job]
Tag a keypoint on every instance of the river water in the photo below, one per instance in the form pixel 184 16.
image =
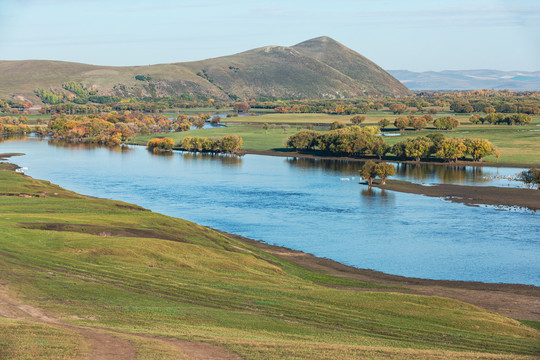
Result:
pixel 317 206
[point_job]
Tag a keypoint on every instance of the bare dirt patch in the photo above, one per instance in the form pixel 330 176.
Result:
pixel 98 230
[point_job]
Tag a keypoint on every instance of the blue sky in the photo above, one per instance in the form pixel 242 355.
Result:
pixel 415 35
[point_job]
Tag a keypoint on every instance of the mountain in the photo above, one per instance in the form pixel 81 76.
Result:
pixel 469 80
pixel 317 68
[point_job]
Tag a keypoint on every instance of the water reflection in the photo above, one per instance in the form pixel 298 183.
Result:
pixel 88 146
pixel 225 159
pixel 377 197
pixel 422 173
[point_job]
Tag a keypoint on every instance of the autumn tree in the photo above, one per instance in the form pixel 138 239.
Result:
pixel 446 123
pixel 303 140
pixel 401 123
pixel 241 107
pixel 368 171
pixel 418 123
pixel 384 170
pixel 358 119
pixel 383 123
pixel 451 149
pixel 478 148
pixel 398 108
pixel 418 148
pixel 337 125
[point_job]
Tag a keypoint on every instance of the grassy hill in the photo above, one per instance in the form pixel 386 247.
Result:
pixel 318 68
pixel 78 274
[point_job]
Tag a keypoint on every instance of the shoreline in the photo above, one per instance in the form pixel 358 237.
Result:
pixel 470 195
pixel 297 154
pixel 518 301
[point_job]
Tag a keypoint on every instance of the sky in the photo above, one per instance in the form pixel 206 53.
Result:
pixel 416 35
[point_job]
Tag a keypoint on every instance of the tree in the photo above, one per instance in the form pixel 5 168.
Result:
pixel 451 149
pixel 241 107
pixel 419 123
pixel 383 123
pixel 303 140
pixel 358 119
pixel 368 171
pixel 418 148
pixel 446 123
pixel 530 177
pixel 401 123
pixel 478 148
pixel 379 148
pixel 398 108
pixel 337 125
pixel 384 170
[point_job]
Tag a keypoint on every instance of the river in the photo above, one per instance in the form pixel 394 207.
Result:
pixel 317 206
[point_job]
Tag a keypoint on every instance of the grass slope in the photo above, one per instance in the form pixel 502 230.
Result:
pixel 268 71
pixel 169 278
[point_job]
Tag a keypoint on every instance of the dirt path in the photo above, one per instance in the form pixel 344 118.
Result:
pixel 513 300
pixel 103 345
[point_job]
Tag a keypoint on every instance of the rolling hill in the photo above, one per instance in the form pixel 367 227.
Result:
pixel 469 80
pixel 317 68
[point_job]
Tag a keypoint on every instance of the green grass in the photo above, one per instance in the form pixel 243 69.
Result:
pixel 202 285
pixel 254 136
pixel 25 340
pixel 518 145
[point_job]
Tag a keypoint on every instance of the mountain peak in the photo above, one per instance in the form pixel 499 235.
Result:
pixel 321 40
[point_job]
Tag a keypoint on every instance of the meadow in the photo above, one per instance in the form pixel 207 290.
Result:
pixel 519 145
pixel 90 268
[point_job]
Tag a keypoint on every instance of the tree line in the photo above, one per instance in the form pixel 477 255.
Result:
pixel 358 141
pixel 229 144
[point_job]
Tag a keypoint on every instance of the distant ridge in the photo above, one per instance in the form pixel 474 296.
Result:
pixel 469 80
pixel 316 68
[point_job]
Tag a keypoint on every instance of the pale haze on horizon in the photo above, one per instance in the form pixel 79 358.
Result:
pixel 415 35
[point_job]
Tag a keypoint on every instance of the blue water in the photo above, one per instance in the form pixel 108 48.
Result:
pixel 310 205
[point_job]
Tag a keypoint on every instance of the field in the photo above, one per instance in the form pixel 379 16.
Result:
pixel 78 272
pixel 519 145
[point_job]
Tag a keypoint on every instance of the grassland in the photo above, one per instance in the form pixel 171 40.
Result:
pixel 114 269
pixel 519 145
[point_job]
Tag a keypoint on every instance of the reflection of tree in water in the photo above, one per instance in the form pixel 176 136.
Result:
pixel 414 172
pixel 13 138
pixel 444 173
pixel 87 146
pixel 335 166
pixel 225 159
pixel 377 197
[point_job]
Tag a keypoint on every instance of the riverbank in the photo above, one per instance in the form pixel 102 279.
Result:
pixel 513 300
pixel 94 270
pixel 470 195
pixel 296 154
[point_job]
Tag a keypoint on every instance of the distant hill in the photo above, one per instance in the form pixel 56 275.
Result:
pixel 469 80
pixel 317 68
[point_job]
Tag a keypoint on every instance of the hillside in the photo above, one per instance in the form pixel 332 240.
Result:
pixel 469 80
pixel 317 68
pixel 83 276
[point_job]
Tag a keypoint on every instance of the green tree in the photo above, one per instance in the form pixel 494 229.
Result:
pixel 337 125
pixel 384 170
pixel 358 119
pixel 478 148
pixel 451 149
pixel 368 171
pixel 383 123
